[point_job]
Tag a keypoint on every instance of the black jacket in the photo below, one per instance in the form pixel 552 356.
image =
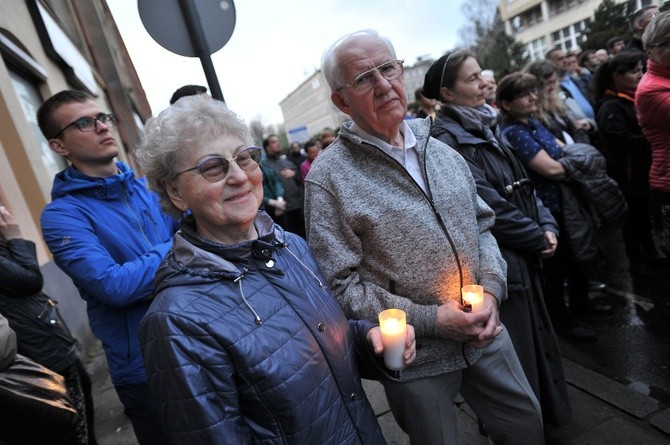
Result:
pixel 40 332
pixel 589 200
pixel 627 151
pixel 521 218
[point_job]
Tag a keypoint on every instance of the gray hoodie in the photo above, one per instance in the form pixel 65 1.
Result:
pixel 382 242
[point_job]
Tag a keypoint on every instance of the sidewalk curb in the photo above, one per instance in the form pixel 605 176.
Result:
pixel 642 408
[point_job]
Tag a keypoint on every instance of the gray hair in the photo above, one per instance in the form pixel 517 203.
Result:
pixel 168 136
pixel 488 73
pixel 330 63
pixel 656 29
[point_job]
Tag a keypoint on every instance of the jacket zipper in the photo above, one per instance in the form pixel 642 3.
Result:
pixel 437 214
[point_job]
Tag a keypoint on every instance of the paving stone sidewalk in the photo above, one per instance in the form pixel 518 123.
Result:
pixel 604 412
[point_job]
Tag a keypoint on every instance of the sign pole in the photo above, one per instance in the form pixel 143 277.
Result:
pixel 201 47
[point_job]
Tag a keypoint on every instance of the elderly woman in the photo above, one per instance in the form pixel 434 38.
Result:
pixel 627 151
pixel 524 228
pixel 244 342
pixel 653 106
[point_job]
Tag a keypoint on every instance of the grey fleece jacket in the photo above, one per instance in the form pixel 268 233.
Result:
pixel 382 242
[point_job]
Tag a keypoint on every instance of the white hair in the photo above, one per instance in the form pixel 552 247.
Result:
pixel 330 66
pixel 488 73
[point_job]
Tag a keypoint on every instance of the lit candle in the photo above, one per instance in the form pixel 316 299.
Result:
pixel 393 325
pixel 473 296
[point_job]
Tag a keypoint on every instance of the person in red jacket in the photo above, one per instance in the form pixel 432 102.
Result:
pixel 653 105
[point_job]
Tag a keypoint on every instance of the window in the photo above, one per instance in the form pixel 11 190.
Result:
pixel 536 49
pixel 559 6
pixel 30 100
pixel 570 36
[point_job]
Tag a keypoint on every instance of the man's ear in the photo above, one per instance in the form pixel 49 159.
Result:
pixel 175 196
pixel 340 102
pixel 57 147
pixel 504 105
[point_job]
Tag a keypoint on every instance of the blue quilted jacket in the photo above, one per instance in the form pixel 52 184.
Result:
pixel 245 344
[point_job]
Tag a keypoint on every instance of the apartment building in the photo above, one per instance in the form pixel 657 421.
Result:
pixel 307 110
pixel 544 24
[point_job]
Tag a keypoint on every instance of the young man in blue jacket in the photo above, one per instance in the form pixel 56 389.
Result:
pixel 106 230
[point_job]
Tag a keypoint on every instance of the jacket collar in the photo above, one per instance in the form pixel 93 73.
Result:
pixel 71 181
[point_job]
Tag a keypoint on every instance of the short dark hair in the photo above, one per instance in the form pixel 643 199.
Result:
pixel 513 85
pixel 266 141
pixel 621 63
pixel 187 90
pixel 552 51
pixel 612 40
pixel 46 110
pixel 311 143
pixel 584 57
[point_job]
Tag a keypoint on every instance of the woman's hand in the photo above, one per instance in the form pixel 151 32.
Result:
pixel 8 228
pixel 375 340
pixel 583 124
pixel 279 205
pixel 552 243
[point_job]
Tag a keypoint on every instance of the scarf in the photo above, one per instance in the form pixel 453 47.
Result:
pixel 626 96
pixel 481 120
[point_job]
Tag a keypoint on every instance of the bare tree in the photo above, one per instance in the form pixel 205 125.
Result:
pixel 257 130
pixel 481 17
pixel 484 35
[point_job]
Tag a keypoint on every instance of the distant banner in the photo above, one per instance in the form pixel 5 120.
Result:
pixel 299 134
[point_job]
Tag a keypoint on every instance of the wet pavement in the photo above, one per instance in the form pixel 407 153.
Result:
pixel 633 344
pixel 619 385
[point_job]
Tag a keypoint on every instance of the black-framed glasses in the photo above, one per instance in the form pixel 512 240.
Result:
pixel 664 44
pixel 87 123
pixel 367 80
pixel 215 168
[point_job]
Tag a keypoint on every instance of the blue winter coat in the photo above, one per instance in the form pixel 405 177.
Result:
pixel 109 235
pixel 245 344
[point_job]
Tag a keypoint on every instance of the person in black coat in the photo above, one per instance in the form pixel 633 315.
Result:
pixel 41 333
pixel 524 229
pixel 627 151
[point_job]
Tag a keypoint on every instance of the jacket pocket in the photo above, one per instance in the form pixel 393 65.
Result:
pixel 48 313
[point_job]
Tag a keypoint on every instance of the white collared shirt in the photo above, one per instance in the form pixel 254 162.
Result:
pixel 407 156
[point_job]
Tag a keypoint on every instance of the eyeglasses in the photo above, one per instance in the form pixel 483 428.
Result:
pixel 526 93
pixel 215 168
pixel 367 80
pixel 664 44
pixel 88 123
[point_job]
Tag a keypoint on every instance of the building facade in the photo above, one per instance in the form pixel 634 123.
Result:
pixel 541 25
pixel 47 46
pixel 307 110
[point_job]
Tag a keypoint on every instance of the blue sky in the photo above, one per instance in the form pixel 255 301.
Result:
pixel 276 45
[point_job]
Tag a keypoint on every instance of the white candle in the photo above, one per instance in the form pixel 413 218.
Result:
pixel 393 325
pixel 473 295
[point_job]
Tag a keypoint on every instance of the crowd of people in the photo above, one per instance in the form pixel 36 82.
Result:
pixel 236 289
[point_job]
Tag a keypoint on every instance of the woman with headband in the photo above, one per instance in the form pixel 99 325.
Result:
pixel 524 228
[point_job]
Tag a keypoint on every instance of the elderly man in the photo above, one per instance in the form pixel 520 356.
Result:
pixel 394 220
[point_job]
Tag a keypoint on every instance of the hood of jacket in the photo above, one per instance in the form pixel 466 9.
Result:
pixel 209 261
pixel 70 181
